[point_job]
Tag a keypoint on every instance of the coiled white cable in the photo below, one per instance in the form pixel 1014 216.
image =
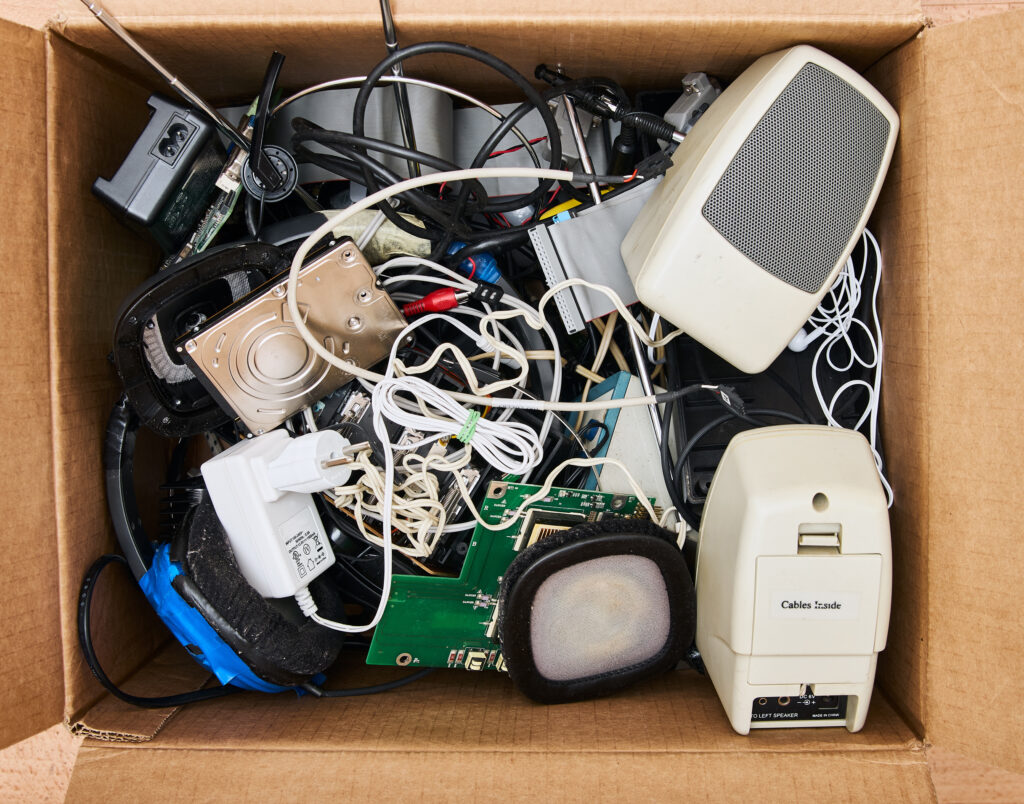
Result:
pixel 834 320
pixel 510 447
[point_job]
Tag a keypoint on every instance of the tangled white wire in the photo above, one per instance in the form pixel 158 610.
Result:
pixel 510 447
pixel 834 320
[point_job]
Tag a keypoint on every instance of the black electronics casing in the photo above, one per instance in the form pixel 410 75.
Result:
pixel 578 544
pixel 167 181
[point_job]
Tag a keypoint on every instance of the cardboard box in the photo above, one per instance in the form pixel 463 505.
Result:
pixel 950 220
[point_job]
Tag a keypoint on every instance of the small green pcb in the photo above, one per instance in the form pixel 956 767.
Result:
pixel 452 622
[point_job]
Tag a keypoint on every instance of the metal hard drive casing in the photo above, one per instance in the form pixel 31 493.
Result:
pixel 253 360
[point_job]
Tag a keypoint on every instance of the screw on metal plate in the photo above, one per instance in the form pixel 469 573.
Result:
pixel 278 291
pixel 355 323
pixel 190 346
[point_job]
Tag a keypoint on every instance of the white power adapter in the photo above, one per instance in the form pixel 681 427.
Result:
pixel 794 578
pixel 261 489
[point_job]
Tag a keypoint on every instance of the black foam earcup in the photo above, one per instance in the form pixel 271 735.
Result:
pixel 164 392
pixel 273 637
pixel 595 608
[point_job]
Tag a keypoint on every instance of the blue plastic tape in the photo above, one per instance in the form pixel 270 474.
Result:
pixel 191 629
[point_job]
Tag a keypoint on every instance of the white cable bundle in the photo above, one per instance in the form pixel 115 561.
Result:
pixel 510 447
pixel 834 320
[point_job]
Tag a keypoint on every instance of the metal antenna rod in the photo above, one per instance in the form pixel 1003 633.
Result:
pixel 581 145
pixel 401 92
pixel 177 85
pixel 645 382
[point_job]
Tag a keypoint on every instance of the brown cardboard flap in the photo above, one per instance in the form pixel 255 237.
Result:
pixel 901 224
pixel 114 774
pixel 974 86
pixel 456 731
pixel 461 711
pixel 94 263
pixel 31 684
pixel 37 13
pixel 170 672
pixel 224 54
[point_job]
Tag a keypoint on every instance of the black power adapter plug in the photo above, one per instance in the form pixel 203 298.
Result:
pixel 167 181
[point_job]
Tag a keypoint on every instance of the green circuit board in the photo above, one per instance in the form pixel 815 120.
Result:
pixel 451 622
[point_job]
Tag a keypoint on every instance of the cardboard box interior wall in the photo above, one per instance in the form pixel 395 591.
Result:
pixel 950 223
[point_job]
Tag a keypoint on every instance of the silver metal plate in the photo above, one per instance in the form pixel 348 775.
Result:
pixel 253 359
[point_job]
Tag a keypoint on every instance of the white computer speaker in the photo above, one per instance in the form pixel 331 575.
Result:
pixel 794 578
pixel 767 196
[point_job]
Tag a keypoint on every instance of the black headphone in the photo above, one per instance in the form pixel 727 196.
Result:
pixel 190 575
pixel 194 584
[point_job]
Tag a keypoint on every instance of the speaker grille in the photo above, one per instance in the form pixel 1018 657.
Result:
pixel 791 198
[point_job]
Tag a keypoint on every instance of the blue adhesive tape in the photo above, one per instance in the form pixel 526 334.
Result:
pixel 192 630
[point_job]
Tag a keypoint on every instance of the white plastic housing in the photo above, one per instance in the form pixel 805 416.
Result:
pixel 684 269
pixel 794 571
pixel 276 533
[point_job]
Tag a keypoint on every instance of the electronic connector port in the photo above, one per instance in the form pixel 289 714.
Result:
pixel 799 708
pixel 540 524
pixel 826 703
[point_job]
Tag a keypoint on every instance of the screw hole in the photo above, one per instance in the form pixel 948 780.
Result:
pixel 819 501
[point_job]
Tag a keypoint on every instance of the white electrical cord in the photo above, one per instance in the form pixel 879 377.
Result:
pixel 371 229
pixel 513 446
pixel 833 321
pixel 533 317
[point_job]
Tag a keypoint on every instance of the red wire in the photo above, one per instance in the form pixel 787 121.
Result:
pixel 516 148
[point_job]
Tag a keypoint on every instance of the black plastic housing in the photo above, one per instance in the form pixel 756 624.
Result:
pixel 167 182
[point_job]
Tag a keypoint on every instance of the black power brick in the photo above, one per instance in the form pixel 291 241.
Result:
pixel 167 181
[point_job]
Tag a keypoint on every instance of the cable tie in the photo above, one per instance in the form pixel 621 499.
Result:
pixel 465 435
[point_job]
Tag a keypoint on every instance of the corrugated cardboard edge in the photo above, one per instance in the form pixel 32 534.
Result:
pixel 975 116
pixel 210 774
pixel 901 224
pixel 41 13
pixel 82 308
pixel 169 672
pixel 952 308
pixel 31 683
pixel 522 39
pixel 83 729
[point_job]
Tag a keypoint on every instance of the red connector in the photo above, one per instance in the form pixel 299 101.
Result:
pixel 436 302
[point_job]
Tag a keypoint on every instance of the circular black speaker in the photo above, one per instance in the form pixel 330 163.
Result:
pixel 595 608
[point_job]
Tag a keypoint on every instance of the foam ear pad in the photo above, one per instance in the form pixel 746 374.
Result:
pixel 273 637
pixel 165 393
pixel 595 608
